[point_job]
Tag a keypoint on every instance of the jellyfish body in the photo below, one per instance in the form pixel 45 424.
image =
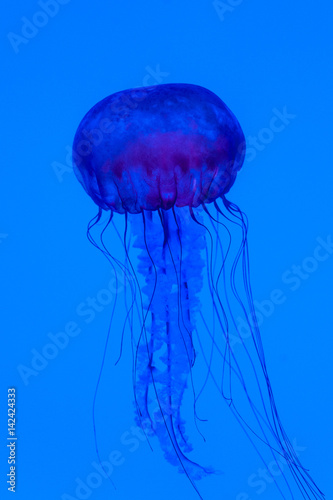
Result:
pixel 158 147
pixel 164 156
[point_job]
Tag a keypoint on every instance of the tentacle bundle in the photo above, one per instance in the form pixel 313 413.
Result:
pixel 174 247
pixel 171 262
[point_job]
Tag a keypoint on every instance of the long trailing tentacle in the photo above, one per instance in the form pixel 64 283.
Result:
pixel 285 450
pixel 225 330
pixel 301 475
pixel 113 262
pixel 91 224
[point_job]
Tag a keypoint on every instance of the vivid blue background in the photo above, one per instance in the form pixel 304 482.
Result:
pixel 261 56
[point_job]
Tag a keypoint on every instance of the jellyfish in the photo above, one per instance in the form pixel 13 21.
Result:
pixel 162 159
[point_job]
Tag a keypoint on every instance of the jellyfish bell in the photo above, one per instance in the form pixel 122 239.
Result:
pixel 179 146
pixel 165 157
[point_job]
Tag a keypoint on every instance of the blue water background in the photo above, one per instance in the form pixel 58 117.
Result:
pixel 262 58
